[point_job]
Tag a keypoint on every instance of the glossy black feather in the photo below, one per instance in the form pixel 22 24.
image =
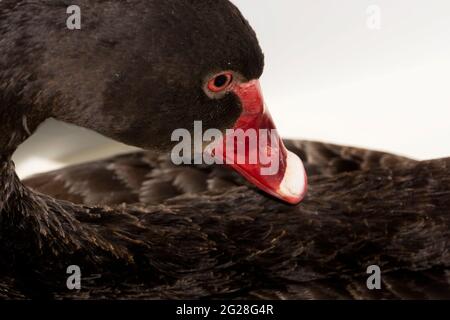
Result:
pixel 148 178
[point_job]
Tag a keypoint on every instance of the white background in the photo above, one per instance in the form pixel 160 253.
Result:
pixel 328 77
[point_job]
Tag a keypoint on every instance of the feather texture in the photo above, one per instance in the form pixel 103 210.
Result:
pixel 217 238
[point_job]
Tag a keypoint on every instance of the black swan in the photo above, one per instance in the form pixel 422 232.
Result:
pixel 140 227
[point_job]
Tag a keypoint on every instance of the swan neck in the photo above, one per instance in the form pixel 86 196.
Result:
pixel 11 188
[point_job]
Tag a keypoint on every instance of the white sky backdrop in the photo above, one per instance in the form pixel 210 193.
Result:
pixel 328 77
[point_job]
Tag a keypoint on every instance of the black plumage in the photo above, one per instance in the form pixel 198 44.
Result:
pixel 226 240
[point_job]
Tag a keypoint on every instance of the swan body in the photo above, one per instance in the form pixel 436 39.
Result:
pixel 139 227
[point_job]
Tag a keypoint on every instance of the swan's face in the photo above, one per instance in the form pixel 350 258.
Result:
pixel 140 70
pixel 166 66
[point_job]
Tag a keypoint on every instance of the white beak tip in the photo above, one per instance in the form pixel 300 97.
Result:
pixel 294 186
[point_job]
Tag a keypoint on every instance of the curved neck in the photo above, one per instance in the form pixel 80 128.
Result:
pixel 13 134
pixel 11 188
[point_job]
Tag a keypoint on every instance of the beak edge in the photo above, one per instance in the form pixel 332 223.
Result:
pixel 294 186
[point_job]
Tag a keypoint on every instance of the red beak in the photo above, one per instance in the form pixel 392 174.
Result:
pixel 255 150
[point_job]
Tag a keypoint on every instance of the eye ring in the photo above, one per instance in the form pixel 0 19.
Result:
pixel 220 82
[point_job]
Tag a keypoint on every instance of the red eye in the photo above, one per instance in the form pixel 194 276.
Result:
pixel 220 82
